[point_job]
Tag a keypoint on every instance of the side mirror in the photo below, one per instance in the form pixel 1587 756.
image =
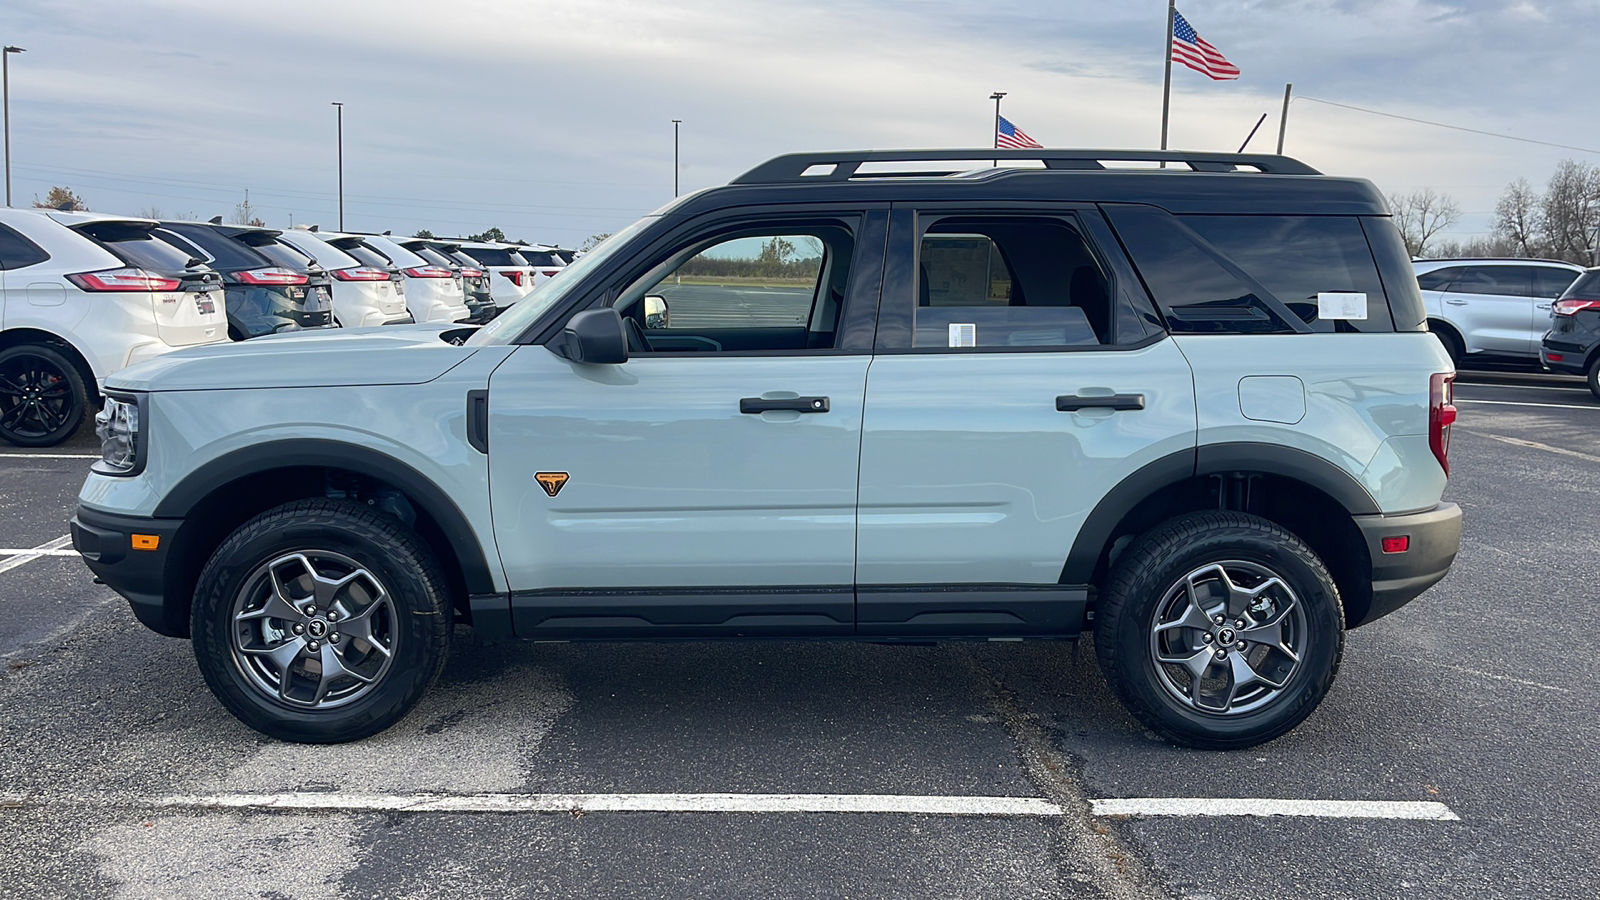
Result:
pixel 656 313
pixel 595 337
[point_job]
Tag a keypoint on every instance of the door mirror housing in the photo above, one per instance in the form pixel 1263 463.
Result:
pixel 656 313
pixel 594 337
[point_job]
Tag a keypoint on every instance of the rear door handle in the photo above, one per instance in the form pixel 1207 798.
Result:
pixel 758 405
pixel 1073 402
pixel 1456 302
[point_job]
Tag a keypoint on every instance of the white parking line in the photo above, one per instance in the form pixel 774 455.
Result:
pixel 49 456
pixel 333 801
pixel 1533 445
pixel 1145 807
pixel 1525 403
pixel 24 557
pixel 14 551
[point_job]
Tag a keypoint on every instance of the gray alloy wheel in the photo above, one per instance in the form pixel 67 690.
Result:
pixel 1225 639
pixel 313 629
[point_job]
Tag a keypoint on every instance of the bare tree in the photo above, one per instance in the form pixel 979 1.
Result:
pixel 1569 217
pixel 593 241
pixel 150 212
pixel 1421 215
pixel 60 197
pixel 245 214
pixel 1517 220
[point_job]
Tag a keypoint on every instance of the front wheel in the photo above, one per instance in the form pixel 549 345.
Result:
pixel 1220 630
pixel 321 621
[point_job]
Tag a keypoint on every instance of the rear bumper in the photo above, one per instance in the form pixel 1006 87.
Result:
pixel 105 541
pixel 1434 537
pixel 1573 356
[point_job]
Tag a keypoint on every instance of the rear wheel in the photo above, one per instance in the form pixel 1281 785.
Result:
pixel 1594 376
pixel 1451 341
pixel 321 621
pixel 1220 630
pixel 43 396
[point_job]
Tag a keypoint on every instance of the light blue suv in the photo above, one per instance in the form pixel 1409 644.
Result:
pixel 1194 410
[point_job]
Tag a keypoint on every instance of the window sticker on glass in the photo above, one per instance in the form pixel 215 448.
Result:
pixel 963 334
pixel 1342 305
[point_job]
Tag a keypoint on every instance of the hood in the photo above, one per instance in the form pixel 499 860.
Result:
pixel 331 357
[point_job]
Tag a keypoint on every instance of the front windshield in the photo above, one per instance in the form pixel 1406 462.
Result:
pixel 514 321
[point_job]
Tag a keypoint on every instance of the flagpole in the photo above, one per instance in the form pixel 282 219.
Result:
pixel 1283 123
pixel 996 98
pixel 1166 85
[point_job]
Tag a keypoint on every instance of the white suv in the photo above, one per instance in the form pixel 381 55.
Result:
pixel 1492 308
pixel 433 292
pixel 81 296
pixel 510 276
pixel 545 261
pixel 365 292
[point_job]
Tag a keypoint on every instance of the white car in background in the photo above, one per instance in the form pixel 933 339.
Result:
pixel 433 292
pixel 368 291
pixel 545 261
pixel 81 296
pixel 510 276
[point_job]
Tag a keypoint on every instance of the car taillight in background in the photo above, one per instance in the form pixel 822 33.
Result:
pixel 514 276
pixel 549 273
pixel 361 273
pixel 1441 415
pixel 125 279
pixel 1573 305
pixel 471 273
pixel 269 275
pixel 428 272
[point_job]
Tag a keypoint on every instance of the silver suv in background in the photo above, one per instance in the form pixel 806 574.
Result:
pixel 1492 308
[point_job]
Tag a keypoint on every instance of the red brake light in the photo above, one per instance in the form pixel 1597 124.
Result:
pixel 1572 305
pixel 125 279
pixel 269 275
pixel 1441 415
pixel 514 276
pixel 550 273
pixel 428 272
pixel 471 273
pixel 361 273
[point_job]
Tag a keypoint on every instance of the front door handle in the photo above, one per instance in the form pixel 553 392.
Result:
pixel 758 405
pixel 1456 302
pixel 1073 402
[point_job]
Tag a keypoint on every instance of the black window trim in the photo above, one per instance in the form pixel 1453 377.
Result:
pixel 910 220
pixel 868 222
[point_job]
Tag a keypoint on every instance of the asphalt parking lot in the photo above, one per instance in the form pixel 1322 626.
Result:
pixel 120 776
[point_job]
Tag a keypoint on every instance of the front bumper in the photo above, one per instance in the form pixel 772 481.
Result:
pixel 1434 537
pixel 106 542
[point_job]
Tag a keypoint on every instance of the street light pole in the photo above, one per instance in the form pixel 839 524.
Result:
pixel 5 100
pixel 675 124
pixel 341 163
pixel 996 98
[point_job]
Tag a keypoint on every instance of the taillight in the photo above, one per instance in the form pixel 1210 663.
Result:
pixel 125 279
pixel 550 273
pixel 514 276
pixel 471 273
pixel 269 275
pixel 428 272
pixel 1573 305
pixel 361 273
pixel 1441 415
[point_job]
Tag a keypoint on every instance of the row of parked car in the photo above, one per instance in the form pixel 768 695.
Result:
pixel 1515 311
pixel 84 294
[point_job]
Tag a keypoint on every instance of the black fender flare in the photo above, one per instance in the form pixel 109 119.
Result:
pixel 311 452
pixel 1210 459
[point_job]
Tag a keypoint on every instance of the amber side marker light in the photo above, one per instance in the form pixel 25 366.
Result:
pixel 146 541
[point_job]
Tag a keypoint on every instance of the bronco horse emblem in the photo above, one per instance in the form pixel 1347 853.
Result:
pixel 551 481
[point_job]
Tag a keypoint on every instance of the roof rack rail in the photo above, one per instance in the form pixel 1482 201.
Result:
pixel 843 165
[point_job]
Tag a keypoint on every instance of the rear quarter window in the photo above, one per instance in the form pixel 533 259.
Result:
pixel 18 252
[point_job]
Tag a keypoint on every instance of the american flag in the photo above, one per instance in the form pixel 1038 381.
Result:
pixel 1192 50
pixel 1009 135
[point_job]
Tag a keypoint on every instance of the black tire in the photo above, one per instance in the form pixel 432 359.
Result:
pixel 43 396
pixel 1141 587
pixel 1451 341
pixel 1593 378
pixel 332 538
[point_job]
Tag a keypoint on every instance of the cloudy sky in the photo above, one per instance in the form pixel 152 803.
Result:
pixel 552 120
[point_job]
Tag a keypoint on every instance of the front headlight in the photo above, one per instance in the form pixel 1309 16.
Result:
pixel 117 425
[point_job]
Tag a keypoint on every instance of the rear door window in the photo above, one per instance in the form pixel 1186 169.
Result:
pixel 1300 257
pixel 1439 279
pixel 1510 281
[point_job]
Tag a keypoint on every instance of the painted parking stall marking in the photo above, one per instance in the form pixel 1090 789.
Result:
pixel 61 546
pixel 50 456
pixel 1154 807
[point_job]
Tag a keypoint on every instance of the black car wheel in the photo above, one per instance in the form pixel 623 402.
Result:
pixel 1220 630
pixel 1594 376
pixel 321 621
pixel 43 397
